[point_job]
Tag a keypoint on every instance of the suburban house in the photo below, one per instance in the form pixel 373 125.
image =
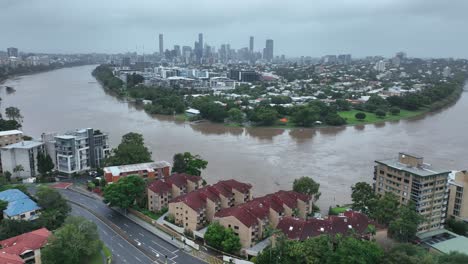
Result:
pixel 161 191
pixel 343 224
pixel 9 137
pixel 196 209
pixel 25 248
pixel 20 206
pixel 150 170
pixel 411 179
pixel 22 154
pixel 250 220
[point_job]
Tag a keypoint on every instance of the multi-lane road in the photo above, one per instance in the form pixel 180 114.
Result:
pixel 128 241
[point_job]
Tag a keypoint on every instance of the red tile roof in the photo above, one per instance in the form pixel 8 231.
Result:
pixel 295 228
pixel 28 241
pixel 197 199
pixel 159 187
pixel 6 258
pixel 180 179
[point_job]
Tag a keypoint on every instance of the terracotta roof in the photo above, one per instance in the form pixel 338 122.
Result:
pixel 180 179
pixel 28 241
pixel 6 258
pixel 295 228
pixel 197 199
pixel 159 187
pixel 242 214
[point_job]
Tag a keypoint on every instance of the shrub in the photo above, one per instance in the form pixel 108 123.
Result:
pixel 360 116
pixel 380 113
pixel 395 111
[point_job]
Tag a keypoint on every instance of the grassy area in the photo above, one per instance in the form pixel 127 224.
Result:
pixel 107 253
pixel 337 210
pixel 350 118
pixel 181 117
pixel 151 214
pixel 97 258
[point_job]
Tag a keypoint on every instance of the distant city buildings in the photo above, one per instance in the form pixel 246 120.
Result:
pixel 268 51
pixel 161 45
pixel 12 52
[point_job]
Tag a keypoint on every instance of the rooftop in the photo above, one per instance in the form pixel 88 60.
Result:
pixel 424 169
pixel 24 145
pixel 18 202
pixel 445 241
pixel 149 167
pixel 26 242
pixel 10 132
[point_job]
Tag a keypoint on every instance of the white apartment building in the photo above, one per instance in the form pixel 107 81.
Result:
pixel 22 153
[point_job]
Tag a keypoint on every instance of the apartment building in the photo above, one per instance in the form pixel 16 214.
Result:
pixel 25 248
pixel 346 223
pixel 161 191
pixel 197 209
pixel 250 220
pixel 410 179
pixel 21 155
pixel 458 196
pixel 80 150
pixel 10 137
pixel 149 170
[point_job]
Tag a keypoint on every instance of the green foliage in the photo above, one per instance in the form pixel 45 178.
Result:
pixel 306 116
pixel 458 227
pixel 13 113
pixel 188 163
pixel 395 110
pixel 453 258
pixel 130 151
pixel 55 207
pixel 360 116
pixel 408 254
pixel 405 226
pixel 222 238
pixel 266 116
pixel 9 124
pixel 380 113
pixel 125 191
pixel 10 228
pixel 134 79
pixel 351 250
pixel 104 75
pixel 363 197
pixel 385 208
pixel 44 163
pixel 236 115
pixel 3 207
pixel 77 240
pixel 307 185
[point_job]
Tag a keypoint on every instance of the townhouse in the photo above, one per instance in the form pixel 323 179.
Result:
pixel 25 248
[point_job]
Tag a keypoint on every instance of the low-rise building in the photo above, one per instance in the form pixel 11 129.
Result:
pixel 250 220
pixel 9 137
pixel 20 206
pixel 443 241
pixel 196 209
pixel 25 248
pixel 410 179
pixel 21 158
pixel 349 222
pixel 458 196
pixel 161 191
pixel 150 170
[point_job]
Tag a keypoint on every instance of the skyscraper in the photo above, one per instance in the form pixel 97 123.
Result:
pixel 161 44
pixel 268 51
pixel 200 43
pixel 251 44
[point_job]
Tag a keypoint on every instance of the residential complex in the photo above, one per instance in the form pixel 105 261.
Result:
pixel 458 198
pixel 150 170
pixel 346 223
pixel 410 179
pixel 161 191
pixel 9 137
pixel 80 150
pixel 443 241
pixel 196 209
pixel 20 158
pixel 25 248
pixel 20 206
pixel 251 219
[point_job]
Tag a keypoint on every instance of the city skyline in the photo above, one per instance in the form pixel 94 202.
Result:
pixel 360 28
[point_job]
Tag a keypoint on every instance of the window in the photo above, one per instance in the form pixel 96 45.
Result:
pixel 236 227
pixel 23 216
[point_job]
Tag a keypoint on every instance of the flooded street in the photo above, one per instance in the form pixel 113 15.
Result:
pixel 268 158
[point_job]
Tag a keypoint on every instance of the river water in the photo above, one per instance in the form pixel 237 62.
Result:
pixel 268 158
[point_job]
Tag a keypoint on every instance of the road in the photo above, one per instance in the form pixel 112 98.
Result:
pixel 148 245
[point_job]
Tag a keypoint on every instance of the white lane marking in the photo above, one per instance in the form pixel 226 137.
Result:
pixel 155 251
pixel 120 245
pixel 126 225
pixel 138 259
pixel 161 246
pixel 141 234
pixel 174 257
pixel 175 251
pixel 105 233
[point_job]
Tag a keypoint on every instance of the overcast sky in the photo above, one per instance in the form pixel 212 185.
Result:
pixel 422 28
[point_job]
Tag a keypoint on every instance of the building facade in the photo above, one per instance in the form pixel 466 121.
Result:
pixel 9 137
pixel 458 196
pixel 21 158
pixel 410 179
pixel 149 170
pixel 80 150
pixel 25 248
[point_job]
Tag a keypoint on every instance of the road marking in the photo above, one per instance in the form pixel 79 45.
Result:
pixel 154 251
pixel 105 233
pixel 160 246
pixel 174 257
pixel 175 251
pixel 126 225
pixel 138 258
pixel 120 245
pixel 141 234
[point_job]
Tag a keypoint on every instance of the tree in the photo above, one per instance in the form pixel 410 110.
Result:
pixel 305 116
pixel 231 242
pixel 408 254
pixel 3 207
pixel 7 175
pixel 363 197
pixel 453 258
pixel 10 228
pixel 55 207
pixel 17 169
pixel 222 238
pixel 125 192
pixel 351 250
pixel 13 113
pixel 266 116
pixel 395 110
pixel 458 227
pixel 385 208
pixel 380 113
pixel 405 226
pixel 130 151
pixel 236 115
pixel 44 163
pixel 188 163
pixel 360 116
pixel 307 185
pixel 76 241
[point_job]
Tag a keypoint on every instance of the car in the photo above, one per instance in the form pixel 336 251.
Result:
pixel 93 173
